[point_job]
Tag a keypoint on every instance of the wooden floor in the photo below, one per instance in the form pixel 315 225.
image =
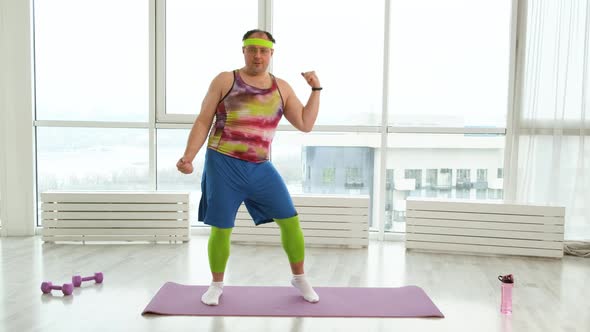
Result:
pixel 550 294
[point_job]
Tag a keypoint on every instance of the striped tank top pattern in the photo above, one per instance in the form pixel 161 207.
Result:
pixel 246 120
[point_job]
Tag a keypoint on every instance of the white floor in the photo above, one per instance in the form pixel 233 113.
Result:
pixel 550 294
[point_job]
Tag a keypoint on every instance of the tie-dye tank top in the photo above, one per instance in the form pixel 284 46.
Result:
pixel 246 120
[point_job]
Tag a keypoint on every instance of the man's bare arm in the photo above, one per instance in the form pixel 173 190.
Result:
pixel 301 117
pixel 218 88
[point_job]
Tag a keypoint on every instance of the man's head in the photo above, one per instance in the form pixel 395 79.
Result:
pixel 258 48
pixel 257 31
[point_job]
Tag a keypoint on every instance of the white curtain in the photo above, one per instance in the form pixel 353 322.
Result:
pixel 550 143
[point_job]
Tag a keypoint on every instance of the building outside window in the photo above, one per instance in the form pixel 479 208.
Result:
pixel 329 176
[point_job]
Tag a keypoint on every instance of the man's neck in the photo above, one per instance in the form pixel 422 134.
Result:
pixel 253 75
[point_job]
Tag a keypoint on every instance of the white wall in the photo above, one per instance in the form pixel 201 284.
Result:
pixel 17 201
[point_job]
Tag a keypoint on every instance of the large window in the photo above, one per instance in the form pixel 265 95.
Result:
pixel 171 144
pixel 203 38
pixel 91 60
pixel 449 63
pixel 447 103
pixel 344 47
pixel 326 163
pixel 136 77
pixel 92 159
pixel 443 163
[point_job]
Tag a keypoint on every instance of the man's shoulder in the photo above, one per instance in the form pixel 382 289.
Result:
pixel 282 83
pixel 280 80
pixel 225 75
pixel 223 79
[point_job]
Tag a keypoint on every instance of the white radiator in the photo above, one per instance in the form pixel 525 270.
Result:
pixel 484 227
pixel 341 221
pixel 115 216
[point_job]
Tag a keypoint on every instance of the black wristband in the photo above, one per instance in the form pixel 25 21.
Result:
pixel 316 89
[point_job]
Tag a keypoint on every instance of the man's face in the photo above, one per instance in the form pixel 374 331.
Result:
pixel 257 57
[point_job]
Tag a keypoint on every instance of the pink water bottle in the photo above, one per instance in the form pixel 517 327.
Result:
pixel 507 284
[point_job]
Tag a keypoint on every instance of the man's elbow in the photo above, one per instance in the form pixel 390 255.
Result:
pixel 306 129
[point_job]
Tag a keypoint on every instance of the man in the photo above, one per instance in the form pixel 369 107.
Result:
pixel 248 104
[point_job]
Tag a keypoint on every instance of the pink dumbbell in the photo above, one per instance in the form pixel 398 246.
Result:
pixel 77 280
pixel 47 287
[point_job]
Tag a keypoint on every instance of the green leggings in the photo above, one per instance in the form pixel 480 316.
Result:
pixel 291 237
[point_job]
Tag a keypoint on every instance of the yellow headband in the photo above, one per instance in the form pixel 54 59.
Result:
pixel 258 42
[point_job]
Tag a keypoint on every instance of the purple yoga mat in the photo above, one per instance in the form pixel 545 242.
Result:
pixel 409 301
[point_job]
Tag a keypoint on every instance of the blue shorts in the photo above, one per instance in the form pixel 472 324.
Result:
pixel 228 181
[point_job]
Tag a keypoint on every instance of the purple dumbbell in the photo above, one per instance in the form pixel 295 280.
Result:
pixel 47 287
pixel 77 280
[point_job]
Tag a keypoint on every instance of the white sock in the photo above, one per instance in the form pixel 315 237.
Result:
pixel 211 296
pixel 300 282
